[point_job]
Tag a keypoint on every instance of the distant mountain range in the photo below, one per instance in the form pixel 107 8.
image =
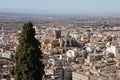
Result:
pixel 29 11
pixel 22 11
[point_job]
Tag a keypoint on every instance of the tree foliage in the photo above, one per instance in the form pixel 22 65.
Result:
pixel 28 64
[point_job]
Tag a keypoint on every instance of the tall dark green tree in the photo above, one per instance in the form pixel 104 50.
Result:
pixel 28 64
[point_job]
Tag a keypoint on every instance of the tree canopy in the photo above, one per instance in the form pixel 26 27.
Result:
pixel 28 64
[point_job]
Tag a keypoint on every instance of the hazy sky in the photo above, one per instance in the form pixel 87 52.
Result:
pixel 64 6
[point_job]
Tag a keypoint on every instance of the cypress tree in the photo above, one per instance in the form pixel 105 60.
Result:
pixel 28 64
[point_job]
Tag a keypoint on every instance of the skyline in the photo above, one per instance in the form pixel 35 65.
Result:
pixel 60 6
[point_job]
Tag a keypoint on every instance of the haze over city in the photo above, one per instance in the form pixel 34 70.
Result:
pixel 61 6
